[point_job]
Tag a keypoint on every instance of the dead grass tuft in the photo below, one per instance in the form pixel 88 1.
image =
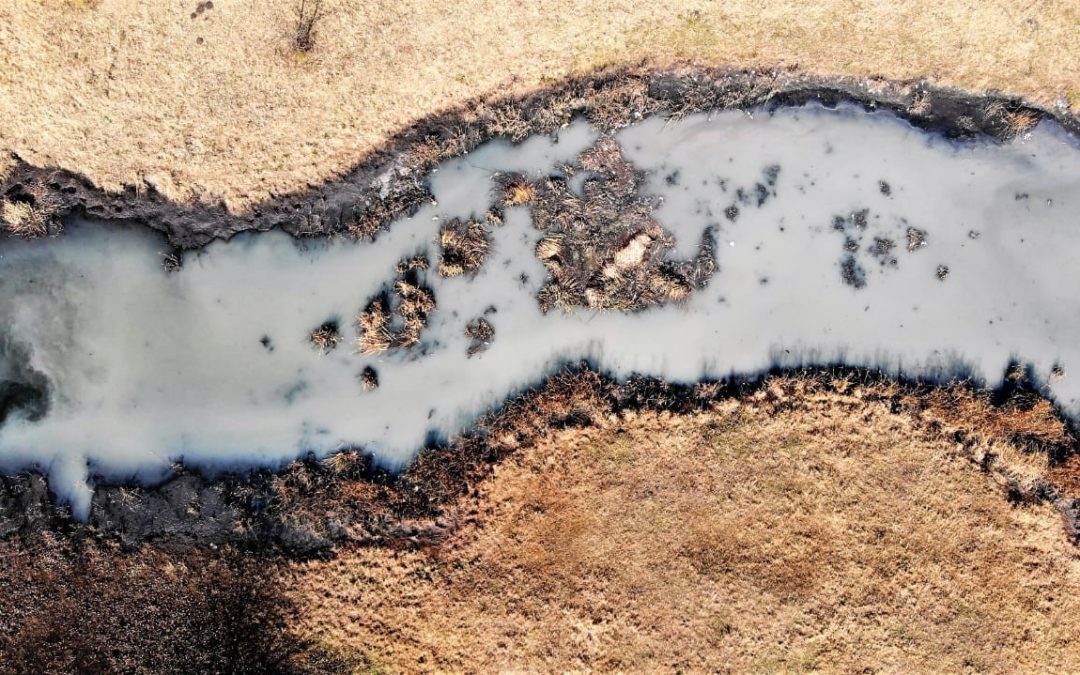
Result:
pixel 464 245
pixel 326 337
pixel 374 324
pixel 415 303
pixel 30 213
pixel 1016 121
pixel 517 191
pixel 412 303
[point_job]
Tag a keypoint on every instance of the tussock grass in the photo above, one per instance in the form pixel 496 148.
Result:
pixel 30 213
pixel 374 324
pixel 412 303
pixel 325 337
pixel 464 246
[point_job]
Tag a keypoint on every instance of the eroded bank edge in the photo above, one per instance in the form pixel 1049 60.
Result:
pixel 311 506
pixel 390 181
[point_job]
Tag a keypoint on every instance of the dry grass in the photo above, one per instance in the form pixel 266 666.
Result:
pixel 412 302
pixel 222 107
pixel 30 214
pixel 518 192
pixel 415 303
pixel 833 522
pixel 809 527
pixel 464 247
pixel 325 337
pixel 374 325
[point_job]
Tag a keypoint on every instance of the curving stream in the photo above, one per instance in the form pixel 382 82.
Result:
pixel 838 236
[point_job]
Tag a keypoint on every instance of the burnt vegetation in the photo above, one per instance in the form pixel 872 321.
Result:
pixel 85 607
pixel 604 250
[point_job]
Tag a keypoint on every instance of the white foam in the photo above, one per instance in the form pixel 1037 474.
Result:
pixel 148 368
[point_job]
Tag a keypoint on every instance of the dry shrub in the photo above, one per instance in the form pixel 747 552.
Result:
pixel 464 247
pixel 308 15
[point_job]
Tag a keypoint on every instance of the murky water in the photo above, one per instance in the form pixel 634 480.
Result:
pixel 841 237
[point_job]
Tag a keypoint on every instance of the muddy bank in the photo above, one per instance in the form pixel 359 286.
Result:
pixel 390 182
pixel 312 505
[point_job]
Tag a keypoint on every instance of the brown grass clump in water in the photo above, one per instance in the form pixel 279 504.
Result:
pixel 604 250
pixel 464 247
pixel 374 324
pixel 413 303
pixel 326 337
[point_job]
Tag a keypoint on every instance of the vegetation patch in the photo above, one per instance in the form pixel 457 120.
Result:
pixel 604 250
pixel 396 320
pixel 464 246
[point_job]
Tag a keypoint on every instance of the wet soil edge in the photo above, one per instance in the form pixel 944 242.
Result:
pixel 390 181
pixel 312 506
pixel 255 510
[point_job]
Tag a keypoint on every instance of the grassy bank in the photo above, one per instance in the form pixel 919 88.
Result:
pixel 216 102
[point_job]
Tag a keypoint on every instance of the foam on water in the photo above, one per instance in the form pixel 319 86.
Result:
pixel 211 365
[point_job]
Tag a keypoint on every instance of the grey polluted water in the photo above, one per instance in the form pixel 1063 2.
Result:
pixel 834 236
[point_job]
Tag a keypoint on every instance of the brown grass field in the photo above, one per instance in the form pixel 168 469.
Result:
pixel 816 524
pixel 217 104
pixel 819 533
